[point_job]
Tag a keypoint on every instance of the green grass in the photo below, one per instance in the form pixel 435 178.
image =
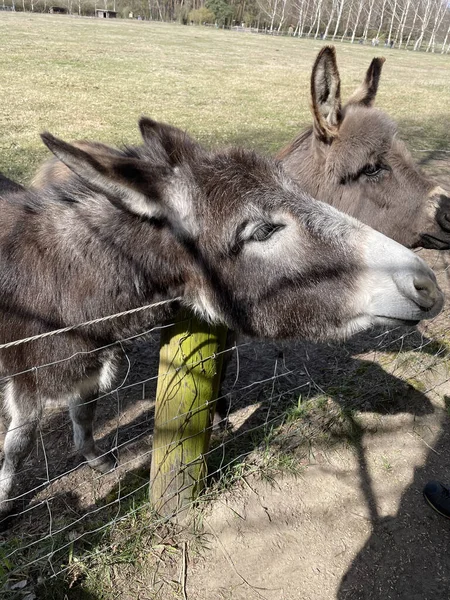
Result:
pixel 86 78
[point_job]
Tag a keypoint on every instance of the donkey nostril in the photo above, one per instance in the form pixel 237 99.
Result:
pixel 424 285
pixel 426 291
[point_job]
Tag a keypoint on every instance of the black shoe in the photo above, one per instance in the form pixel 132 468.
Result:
pixel 438 497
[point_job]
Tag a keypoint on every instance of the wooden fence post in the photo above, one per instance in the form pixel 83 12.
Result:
pixel 188 383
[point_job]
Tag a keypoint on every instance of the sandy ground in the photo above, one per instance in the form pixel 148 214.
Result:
pixel 353 526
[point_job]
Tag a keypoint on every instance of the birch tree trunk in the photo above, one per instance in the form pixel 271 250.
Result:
pixel 333 6
pixel 394 10
pixel 319 15
pixel 282 17
pixel 381 18
pixel 338 20
pixel 416 12
pixel 347 24
pixel 305 14
pixel 445 40
pixel 425 20
pixel 401 29
pixel 301 18
pixel 438 18
pixel 274 12
pixel 358 14
pixel 369 15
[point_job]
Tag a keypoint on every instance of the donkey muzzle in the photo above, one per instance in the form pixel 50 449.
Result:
pixel 438 238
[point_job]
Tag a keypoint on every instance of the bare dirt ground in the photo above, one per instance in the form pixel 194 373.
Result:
pixel 353 526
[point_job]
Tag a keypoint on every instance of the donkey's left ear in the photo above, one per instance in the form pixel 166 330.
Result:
pixel 326 95
pixel 175 145
pixel 367 91
pixel 130 182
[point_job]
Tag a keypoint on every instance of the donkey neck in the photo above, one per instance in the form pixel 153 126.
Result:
pixel 86 259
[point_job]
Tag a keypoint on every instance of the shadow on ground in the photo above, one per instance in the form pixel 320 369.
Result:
pixel 407 556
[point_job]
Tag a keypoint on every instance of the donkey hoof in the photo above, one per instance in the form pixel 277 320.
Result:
pixel 104 464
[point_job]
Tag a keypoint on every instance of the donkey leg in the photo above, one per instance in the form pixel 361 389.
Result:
pixel 18 444
pixel 82 412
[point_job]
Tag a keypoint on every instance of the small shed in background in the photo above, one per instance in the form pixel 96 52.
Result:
pixel 105 14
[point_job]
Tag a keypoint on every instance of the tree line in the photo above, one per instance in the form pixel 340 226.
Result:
pixel 410 24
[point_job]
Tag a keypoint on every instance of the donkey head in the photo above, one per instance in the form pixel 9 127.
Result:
pixel 353 159
pixel 251 249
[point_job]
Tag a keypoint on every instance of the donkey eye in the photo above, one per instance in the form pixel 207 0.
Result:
pixel 371 170
pixel 264 232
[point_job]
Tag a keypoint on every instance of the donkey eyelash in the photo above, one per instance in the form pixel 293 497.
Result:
pixel 264 231
pixel 372 172
pixel 260 233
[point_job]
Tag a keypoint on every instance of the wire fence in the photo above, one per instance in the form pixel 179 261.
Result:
pixel 278 403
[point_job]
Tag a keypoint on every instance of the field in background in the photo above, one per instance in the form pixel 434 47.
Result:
pixel 383 408
pixel 86 78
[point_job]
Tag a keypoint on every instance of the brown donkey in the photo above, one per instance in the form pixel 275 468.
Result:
pixel 352 159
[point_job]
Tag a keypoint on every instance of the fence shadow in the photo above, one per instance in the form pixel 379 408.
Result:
pixel 269 376
pixel 330 374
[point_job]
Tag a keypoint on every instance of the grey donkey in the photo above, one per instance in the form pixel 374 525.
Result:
pixel 227 233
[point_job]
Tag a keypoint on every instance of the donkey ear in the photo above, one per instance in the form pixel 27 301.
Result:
pixel 326 95
pixel 176 144
pixel 367 91
pixel 133 183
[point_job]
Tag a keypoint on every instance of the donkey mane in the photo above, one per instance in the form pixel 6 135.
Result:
pixel 297 143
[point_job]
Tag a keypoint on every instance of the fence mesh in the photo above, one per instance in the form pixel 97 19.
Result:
pixel 278 403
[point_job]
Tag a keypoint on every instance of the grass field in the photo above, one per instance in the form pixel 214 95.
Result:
pixel 86 78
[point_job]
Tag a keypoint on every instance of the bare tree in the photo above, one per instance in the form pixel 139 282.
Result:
pixel 425 19
pixel 416 12
pixel 283 14
pixel 319 16
pixel 381 18
pixel 445 40
pixel 270 9
pixel 358 14
pixel 339 16
pixel 313 20
pixel 347 24
pixel 441 10
pixel 401 29
pixel 330 19
pixel 302 14
pixel 369 16
pixel 393 17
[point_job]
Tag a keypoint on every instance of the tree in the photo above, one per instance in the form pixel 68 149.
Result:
pixel 358 14
pixel 202 15
pixel 369 15
pixel 223 12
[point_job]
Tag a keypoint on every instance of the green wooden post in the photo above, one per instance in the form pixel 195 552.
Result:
pixel 188 383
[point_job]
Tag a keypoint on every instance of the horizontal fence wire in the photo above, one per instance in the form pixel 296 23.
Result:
pixel 276 400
